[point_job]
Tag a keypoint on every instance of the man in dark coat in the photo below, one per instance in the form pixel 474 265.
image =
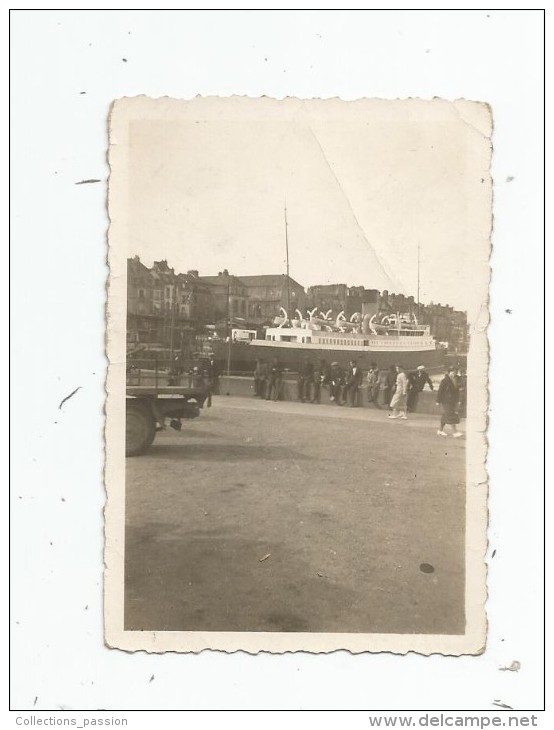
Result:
pixel 373 385
pixel 214 373
pixel 417 381
pixel 319 378
pixel 275 377
pixel 210 377
pixel 304 379
pixel 352 382
pixel 448 396
pixel 260 378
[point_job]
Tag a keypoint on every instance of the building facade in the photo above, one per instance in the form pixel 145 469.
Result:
pixel 325 297
pixel 342 298
pixel 196 299
pixel 230 296
pixel 165 310
pixel 267 293
pixel 448 326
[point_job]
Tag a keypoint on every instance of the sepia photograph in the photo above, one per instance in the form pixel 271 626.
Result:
pixel 277 278
pixel 297 386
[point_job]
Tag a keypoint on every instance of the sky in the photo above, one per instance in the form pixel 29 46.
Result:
pixel 365 185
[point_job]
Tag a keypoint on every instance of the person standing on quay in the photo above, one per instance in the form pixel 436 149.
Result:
pixel 304 379
pixel 382 386
pixel 260 378
pixel 399 399
pixel 418 380
pixel 274 380
pixel 390 385
pixel 214 374
pixel 336 383
pixel 373 385
pixel 352 383
pixel 319 377
pixel 210 379
pixel 448 396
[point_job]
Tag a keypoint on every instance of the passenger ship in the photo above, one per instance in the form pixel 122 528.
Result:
pixel 396 339
pixel 368 337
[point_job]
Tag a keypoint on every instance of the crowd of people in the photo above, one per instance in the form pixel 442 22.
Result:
pixel 392 388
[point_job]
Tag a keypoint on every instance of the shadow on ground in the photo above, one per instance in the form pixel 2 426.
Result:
pixel 223 452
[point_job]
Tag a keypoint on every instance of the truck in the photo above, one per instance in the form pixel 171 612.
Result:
pixel 150 403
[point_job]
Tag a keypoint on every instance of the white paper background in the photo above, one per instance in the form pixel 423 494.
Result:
pixel 59 273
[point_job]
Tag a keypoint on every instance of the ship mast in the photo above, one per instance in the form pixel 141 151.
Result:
pixel 229 326
pixel 287 252
pixel 418 247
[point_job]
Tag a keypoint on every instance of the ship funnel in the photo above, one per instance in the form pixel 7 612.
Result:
pixel 365 323
pixel 370 302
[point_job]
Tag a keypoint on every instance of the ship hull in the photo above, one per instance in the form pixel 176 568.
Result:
pixel 243 356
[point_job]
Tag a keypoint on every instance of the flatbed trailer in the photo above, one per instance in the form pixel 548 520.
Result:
pixel 148 407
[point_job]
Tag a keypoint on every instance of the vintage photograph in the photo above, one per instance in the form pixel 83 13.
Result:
pixel 297 386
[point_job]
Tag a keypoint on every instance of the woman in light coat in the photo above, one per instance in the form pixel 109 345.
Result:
pixel 399 400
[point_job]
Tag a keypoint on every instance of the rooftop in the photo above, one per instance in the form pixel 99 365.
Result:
pixel 220 278
pixel 268 280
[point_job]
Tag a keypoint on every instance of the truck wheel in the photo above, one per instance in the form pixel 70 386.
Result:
pixel 140 429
